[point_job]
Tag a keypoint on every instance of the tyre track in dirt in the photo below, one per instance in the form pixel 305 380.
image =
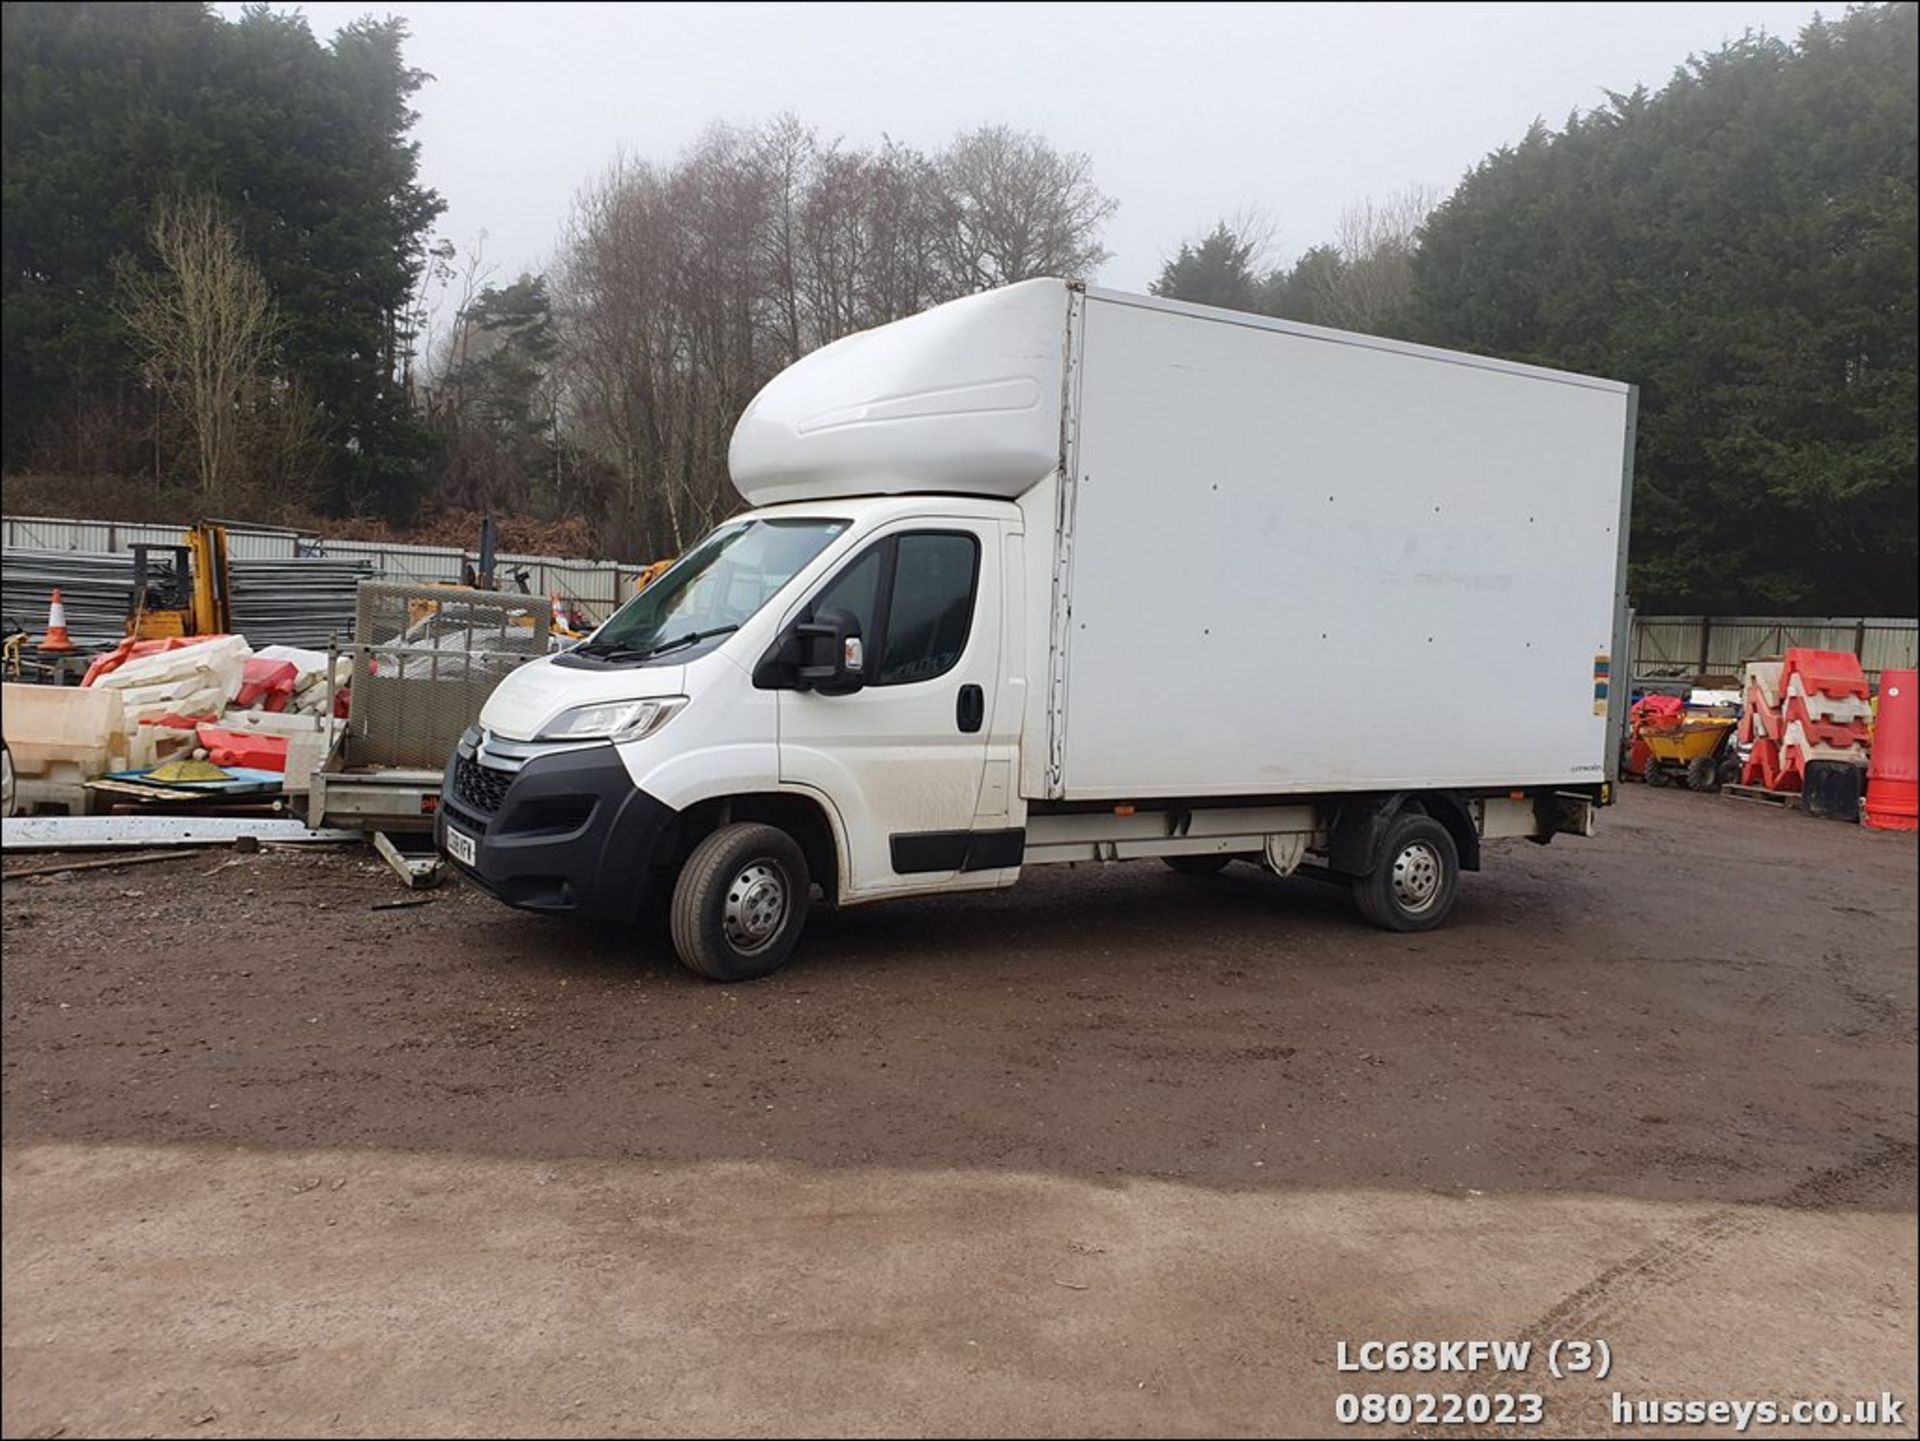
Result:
pixel 1883 1176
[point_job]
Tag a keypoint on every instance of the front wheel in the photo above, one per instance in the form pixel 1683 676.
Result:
pixel 740 902
pixel 1415 879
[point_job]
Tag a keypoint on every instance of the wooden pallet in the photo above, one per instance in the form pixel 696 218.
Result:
pixel 1788 799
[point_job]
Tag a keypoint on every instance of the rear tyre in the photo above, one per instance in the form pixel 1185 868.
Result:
pixel 1657 775
pixel 1197 865
pixel 1416 876
pixel 740 903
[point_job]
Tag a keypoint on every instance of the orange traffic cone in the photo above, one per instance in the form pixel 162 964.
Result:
pixel 56 638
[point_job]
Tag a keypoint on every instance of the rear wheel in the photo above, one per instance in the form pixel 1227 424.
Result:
pixel 1197 865
pixel 1416 876
pixel 740 902
pixel 1658 775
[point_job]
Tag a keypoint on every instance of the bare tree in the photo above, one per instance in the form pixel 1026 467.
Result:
pixel 619 339
pixel 682 289
pixel 782 160
pixel 436 274
pixel 1376 239
pixel 284 454
pixel 453 278
pixel 208 330
pixel 1016 208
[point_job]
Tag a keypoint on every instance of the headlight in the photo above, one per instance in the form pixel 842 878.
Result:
pixel 614 720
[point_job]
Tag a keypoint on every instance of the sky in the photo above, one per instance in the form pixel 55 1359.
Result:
pixel 1191 112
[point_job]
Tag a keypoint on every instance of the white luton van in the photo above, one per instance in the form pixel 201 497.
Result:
pixel 1056 574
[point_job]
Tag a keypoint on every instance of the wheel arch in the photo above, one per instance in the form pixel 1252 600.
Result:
pixel 1354 845
pixel 804 817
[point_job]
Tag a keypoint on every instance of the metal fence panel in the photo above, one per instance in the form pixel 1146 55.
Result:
pixel 1672 649
pixel 34 533
pixel 1688 648
pixel 260 545
pixel 126 537
pixel 1665 646
pixel 295 602
pixel 424 662
pixel 601 587
pixel 274 602
pixel 1894 646
pixel 411 564
pixel 96 592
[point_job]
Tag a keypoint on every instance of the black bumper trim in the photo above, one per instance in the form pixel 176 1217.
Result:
pixel 573 835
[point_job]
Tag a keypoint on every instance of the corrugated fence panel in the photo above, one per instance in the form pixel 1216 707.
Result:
pixel 260 545
pixel 1665 645
pixel 1890 646
pixel 32 533
pixel 1669 648
pixel 599 585
pixel 126 537
pixel 110 537
pixel 1685 647
pixel 411 564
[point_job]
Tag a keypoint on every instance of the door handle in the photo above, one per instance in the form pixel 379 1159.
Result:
pixel 971 708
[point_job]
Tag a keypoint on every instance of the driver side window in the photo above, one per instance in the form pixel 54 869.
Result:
pixel 913 596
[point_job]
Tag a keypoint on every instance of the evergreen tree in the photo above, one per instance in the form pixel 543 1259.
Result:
pixel 1742 245
pixel 1302 291
pixel 1217 271
pixel 109 110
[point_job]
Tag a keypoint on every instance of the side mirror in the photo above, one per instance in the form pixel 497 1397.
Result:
pixel 832 657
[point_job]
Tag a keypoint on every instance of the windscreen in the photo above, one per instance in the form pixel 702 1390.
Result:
pixel 712 590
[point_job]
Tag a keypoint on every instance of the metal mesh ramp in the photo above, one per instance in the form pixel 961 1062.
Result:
pixel 425 659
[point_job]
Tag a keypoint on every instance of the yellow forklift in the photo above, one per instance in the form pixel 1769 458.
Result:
pixel 182 590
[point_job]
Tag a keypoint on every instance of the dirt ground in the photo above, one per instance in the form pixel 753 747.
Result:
pixel 1117 1151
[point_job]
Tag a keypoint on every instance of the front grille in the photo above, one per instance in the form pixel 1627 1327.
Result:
pixel 481 789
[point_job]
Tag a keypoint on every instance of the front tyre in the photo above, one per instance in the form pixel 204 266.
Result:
pixel 740 902
pixel 1416 876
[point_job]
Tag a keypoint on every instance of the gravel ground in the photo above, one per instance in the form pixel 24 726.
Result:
pixel 1115 1151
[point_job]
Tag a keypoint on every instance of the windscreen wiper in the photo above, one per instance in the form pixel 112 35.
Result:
pixel 611 652
pixel 692 637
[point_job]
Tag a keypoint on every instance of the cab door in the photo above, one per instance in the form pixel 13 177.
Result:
pixel 901 758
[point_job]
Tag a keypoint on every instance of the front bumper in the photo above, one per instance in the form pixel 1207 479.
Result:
pixel 567 834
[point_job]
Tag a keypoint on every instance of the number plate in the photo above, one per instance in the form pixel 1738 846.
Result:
pixel 460 847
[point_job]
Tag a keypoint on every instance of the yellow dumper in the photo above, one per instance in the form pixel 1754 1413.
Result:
pixel 1691 752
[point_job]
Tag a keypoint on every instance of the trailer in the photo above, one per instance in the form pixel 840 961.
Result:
pixel 1059 574
pixel 423 660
